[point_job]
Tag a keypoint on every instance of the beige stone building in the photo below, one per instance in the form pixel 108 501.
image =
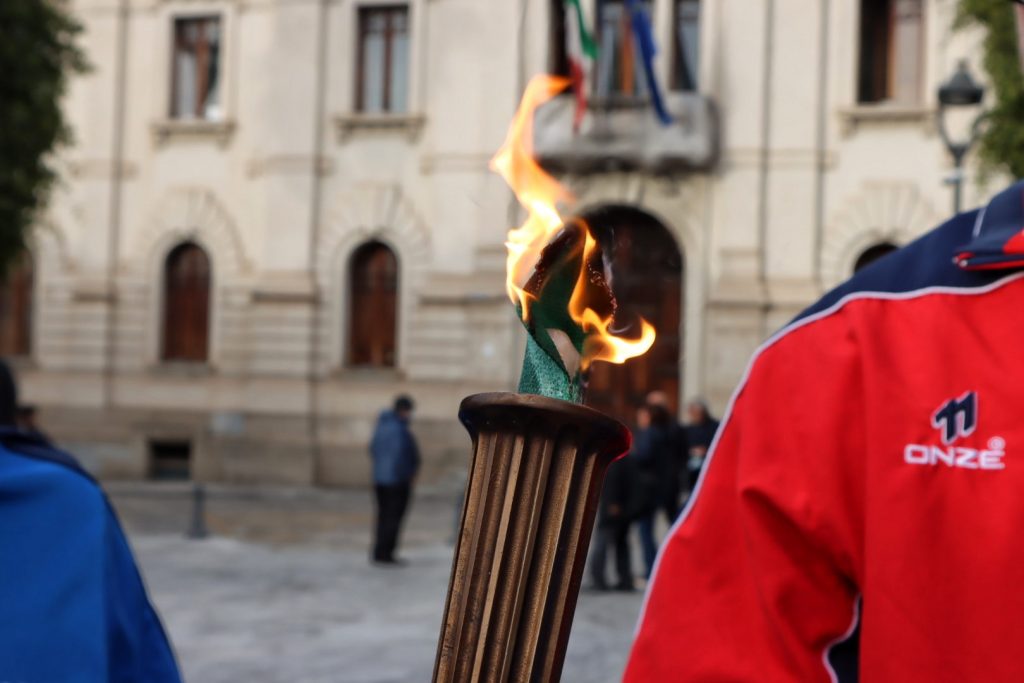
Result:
pixel 277 214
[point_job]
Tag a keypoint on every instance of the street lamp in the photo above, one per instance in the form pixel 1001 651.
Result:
pixel 960 91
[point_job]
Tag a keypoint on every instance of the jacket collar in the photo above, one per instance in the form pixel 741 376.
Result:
pixel 998 238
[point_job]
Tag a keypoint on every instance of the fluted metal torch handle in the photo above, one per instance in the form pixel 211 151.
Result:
pixel 537 469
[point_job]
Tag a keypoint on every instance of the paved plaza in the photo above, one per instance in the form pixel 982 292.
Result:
pixel 282 591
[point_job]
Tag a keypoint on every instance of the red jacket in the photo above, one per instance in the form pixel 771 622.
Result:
pixel 873 455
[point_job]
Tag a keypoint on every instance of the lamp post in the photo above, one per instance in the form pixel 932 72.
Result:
pixel 960 91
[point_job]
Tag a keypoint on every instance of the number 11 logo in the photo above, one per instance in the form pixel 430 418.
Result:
pixel 957 418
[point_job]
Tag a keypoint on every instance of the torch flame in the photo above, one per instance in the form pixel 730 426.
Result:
pixel 540 194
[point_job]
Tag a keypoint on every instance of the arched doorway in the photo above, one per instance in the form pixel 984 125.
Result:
pixel 186 321
pixel 647 278
pixel 872 254
pixel 373 306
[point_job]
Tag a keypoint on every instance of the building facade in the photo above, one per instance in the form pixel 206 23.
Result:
pixel 277 214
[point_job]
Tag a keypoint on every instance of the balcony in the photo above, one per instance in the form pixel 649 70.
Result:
pixel 625 135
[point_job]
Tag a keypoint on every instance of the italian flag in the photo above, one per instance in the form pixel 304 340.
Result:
pixel 582 53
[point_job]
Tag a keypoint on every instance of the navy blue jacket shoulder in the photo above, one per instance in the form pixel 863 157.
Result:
pixel 971 250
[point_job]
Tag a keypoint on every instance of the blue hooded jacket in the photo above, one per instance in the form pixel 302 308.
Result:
pixel 72 603
pixel 396 457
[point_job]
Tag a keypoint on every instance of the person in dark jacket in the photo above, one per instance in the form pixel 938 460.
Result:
pixel 679 452
pixel 657 473
pixel 72 603
pixel 700 433
pixel 614 515
pixel 396 460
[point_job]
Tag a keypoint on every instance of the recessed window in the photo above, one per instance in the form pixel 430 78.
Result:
pixel 382 82
pixel 686 40
pixel 170 460
pixel 186 324
pixel 891 51
pixel 196 69
pixel 373 306
pixel 16 309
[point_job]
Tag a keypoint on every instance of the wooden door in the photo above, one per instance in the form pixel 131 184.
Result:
pixel 187 304
pixel 16 309
pixel 647 278
pixel 373 306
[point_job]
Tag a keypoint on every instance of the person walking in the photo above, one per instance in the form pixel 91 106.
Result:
pixel 396 460
pixel 657 474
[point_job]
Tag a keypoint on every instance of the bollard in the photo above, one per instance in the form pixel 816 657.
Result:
pixel 197 529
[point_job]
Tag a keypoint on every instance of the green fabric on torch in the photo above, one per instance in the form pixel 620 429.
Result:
pixel 546 376
pixel 552 285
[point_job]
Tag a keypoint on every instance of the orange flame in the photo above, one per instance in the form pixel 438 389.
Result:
pixel 540 194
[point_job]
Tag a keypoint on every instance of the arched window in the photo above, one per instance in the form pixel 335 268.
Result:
pixel 16 309
pixel 186 304
pixel 872 254
pixel 373 306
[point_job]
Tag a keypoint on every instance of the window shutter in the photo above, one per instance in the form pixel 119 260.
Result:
pixel 687 45
pixel 907 51
pixel 558 55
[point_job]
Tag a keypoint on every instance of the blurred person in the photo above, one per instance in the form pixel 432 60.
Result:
pixel 679 446
pixel 868 474
pixel 396 460
pixel 615 512
pixel 700 434
pixel 73 606
pixel 657 474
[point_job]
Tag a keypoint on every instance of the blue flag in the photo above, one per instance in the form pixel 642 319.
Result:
pixel 645 39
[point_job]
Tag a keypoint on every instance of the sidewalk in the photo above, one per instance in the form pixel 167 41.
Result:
pixel 282 591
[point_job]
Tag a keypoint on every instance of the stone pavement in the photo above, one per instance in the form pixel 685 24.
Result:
pixel 282 590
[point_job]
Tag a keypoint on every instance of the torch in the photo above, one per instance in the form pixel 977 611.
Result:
pixel 539 457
